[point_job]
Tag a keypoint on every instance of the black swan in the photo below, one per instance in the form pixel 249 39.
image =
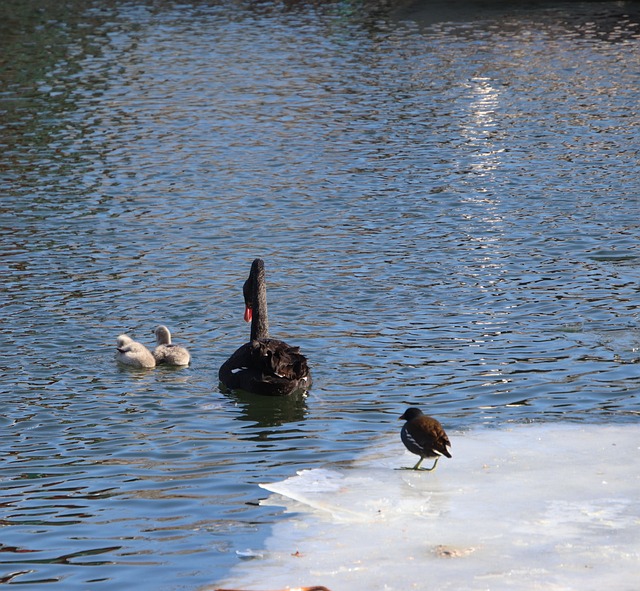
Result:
pixel 264 366
pixel 424 436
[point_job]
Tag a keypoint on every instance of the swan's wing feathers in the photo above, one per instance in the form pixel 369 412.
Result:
pixel 290 363
pixel 276 358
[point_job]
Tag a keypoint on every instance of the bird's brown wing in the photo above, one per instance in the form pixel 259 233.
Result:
pixel 429 434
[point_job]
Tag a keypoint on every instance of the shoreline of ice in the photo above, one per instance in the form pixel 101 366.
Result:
pixel 542 506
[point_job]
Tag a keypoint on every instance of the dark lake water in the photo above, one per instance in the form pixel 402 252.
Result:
pixel 447 200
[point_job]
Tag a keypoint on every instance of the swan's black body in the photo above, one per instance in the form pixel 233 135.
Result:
pixel 264 366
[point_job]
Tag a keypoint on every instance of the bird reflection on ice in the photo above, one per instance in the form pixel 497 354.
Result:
pixel 550 506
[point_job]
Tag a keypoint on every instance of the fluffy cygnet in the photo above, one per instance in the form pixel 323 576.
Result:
pixel 130 352
pixel 166 352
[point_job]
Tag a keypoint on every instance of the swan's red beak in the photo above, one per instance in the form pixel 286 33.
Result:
pixel 248 313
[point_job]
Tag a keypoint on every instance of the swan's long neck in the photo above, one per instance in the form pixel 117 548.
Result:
pixel 260 319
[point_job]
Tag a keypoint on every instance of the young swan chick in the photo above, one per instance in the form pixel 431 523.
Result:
pixel 130 352
pixel 166 352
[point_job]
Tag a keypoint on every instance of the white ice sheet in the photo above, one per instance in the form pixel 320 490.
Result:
pixel 545 506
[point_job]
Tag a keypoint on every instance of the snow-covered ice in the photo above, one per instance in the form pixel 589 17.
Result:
pixel 541 506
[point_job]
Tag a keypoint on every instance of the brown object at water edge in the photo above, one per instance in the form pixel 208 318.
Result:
pixel 315 588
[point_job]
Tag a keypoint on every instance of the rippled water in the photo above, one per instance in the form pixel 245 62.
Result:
pixel 447 201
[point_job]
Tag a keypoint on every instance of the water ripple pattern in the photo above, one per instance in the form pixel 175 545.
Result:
pixel 447 204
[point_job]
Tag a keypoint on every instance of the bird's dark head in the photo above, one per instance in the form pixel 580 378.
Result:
pixel 411 413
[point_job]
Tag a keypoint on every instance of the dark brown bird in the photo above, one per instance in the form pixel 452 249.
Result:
pixel 263 365
pixel 424 436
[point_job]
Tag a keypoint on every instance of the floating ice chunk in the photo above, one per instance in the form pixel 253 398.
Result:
pixel 249 554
